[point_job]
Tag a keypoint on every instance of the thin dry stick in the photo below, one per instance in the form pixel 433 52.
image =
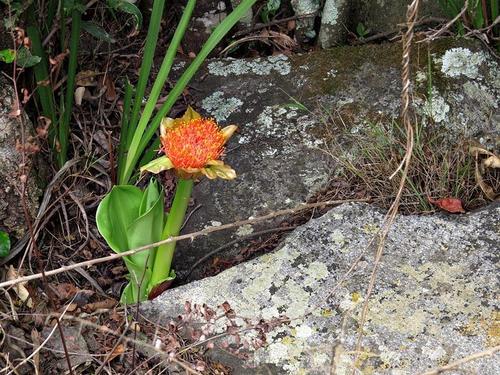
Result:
pixel 449 24
pixel 453 365
pixel 44 342
pixel 25 171
pixel 190 236
pixel 231 243
pixel 129 340
pixel 411 17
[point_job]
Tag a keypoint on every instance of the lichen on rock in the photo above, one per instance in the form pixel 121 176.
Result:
pixel 12 217
pixel 260 66
pixel 434 293
pixel 461 61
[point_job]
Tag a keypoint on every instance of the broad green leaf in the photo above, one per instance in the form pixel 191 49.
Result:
pixel 97 32
pixel 128 218
pixel 116 213
pixel 148 227
pixel 4 244
pixel 25 59
pixel 7 55
pixel 126 7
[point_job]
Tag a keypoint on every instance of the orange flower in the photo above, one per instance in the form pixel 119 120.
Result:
pixel 193 143
pixel 193 146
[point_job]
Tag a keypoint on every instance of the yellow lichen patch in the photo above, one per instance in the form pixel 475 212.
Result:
pixel 493 330
pixel 326 313
pixel 471 328
pixel 370 228
pixel 355 297
pixel 288 340
pixel 395 312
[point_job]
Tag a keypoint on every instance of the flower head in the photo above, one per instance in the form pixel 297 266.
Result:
pixel 192 146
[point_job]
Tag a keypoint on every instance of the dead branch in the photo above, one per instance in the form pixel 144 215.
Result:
pixel 453 365
pixel 381 236
pixel 190 236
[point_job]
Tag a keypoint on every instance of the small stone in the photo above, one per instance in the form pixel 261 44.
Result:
pixel 221 6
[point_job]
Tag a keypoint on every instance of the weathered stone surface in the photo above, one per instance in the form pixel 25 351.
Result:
pixel 334 19
pixel 307 10
pixel 279 151
pixel 434 300
pixel 381 16
pixel 12 217
pixel 339 16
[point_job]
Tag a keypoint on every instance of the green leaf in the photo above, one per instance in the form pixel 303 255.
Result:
pixel 97 32
pixel 7 55
pixel 4 244
pixel 270 8
pixel 361 30
pixel 25 59
pixel 126 7
pixel 70 5
pixel 128 218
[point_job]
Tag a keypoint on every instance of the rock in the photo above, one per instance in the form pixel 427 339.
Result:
pixel 334 18
pixel 339 16
pixel 12 217
pixel 434 300
pixel 74 343
pixel 282 106
pixel 305 25
pixel 207 15
pixel 382 16
pixel 247 19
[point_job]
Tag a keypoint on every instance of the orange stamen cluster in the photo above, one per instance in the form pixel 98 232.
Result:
pixel 193 143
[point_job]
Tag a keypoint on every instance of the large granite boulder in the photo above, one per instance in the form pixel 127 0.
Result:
pixel 435 298
pixel 284 107
pixel 12 219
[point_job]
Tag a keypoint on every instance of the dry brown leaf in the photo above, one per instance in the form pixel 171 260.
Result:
pixel 19 288
pixel 86 78
pixel 486 188
pixel 492 162
pixel 65 290
pixel 117 351
pixel 110 94
pixel 453 205
pixel 480 151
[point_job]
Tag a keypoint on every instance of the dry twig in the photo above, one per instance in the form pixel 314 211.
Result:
pixel 190 236
pixel 393 210
pixel 453 365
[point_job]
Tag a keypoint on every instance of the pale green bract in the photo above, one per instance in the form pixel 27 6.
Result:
pixel 128 218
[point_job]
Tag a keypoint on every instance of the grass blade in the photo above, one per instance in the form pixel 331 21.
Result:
pixel 76 18
pixel 147 62
pixel 41 70
pixel 217 35
pixel 163 73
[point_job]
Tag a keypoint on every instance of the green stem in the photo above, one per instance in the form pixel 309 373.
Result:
pixel 129 90
pixel 165 253
pixel 76 18
pixel 41 70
